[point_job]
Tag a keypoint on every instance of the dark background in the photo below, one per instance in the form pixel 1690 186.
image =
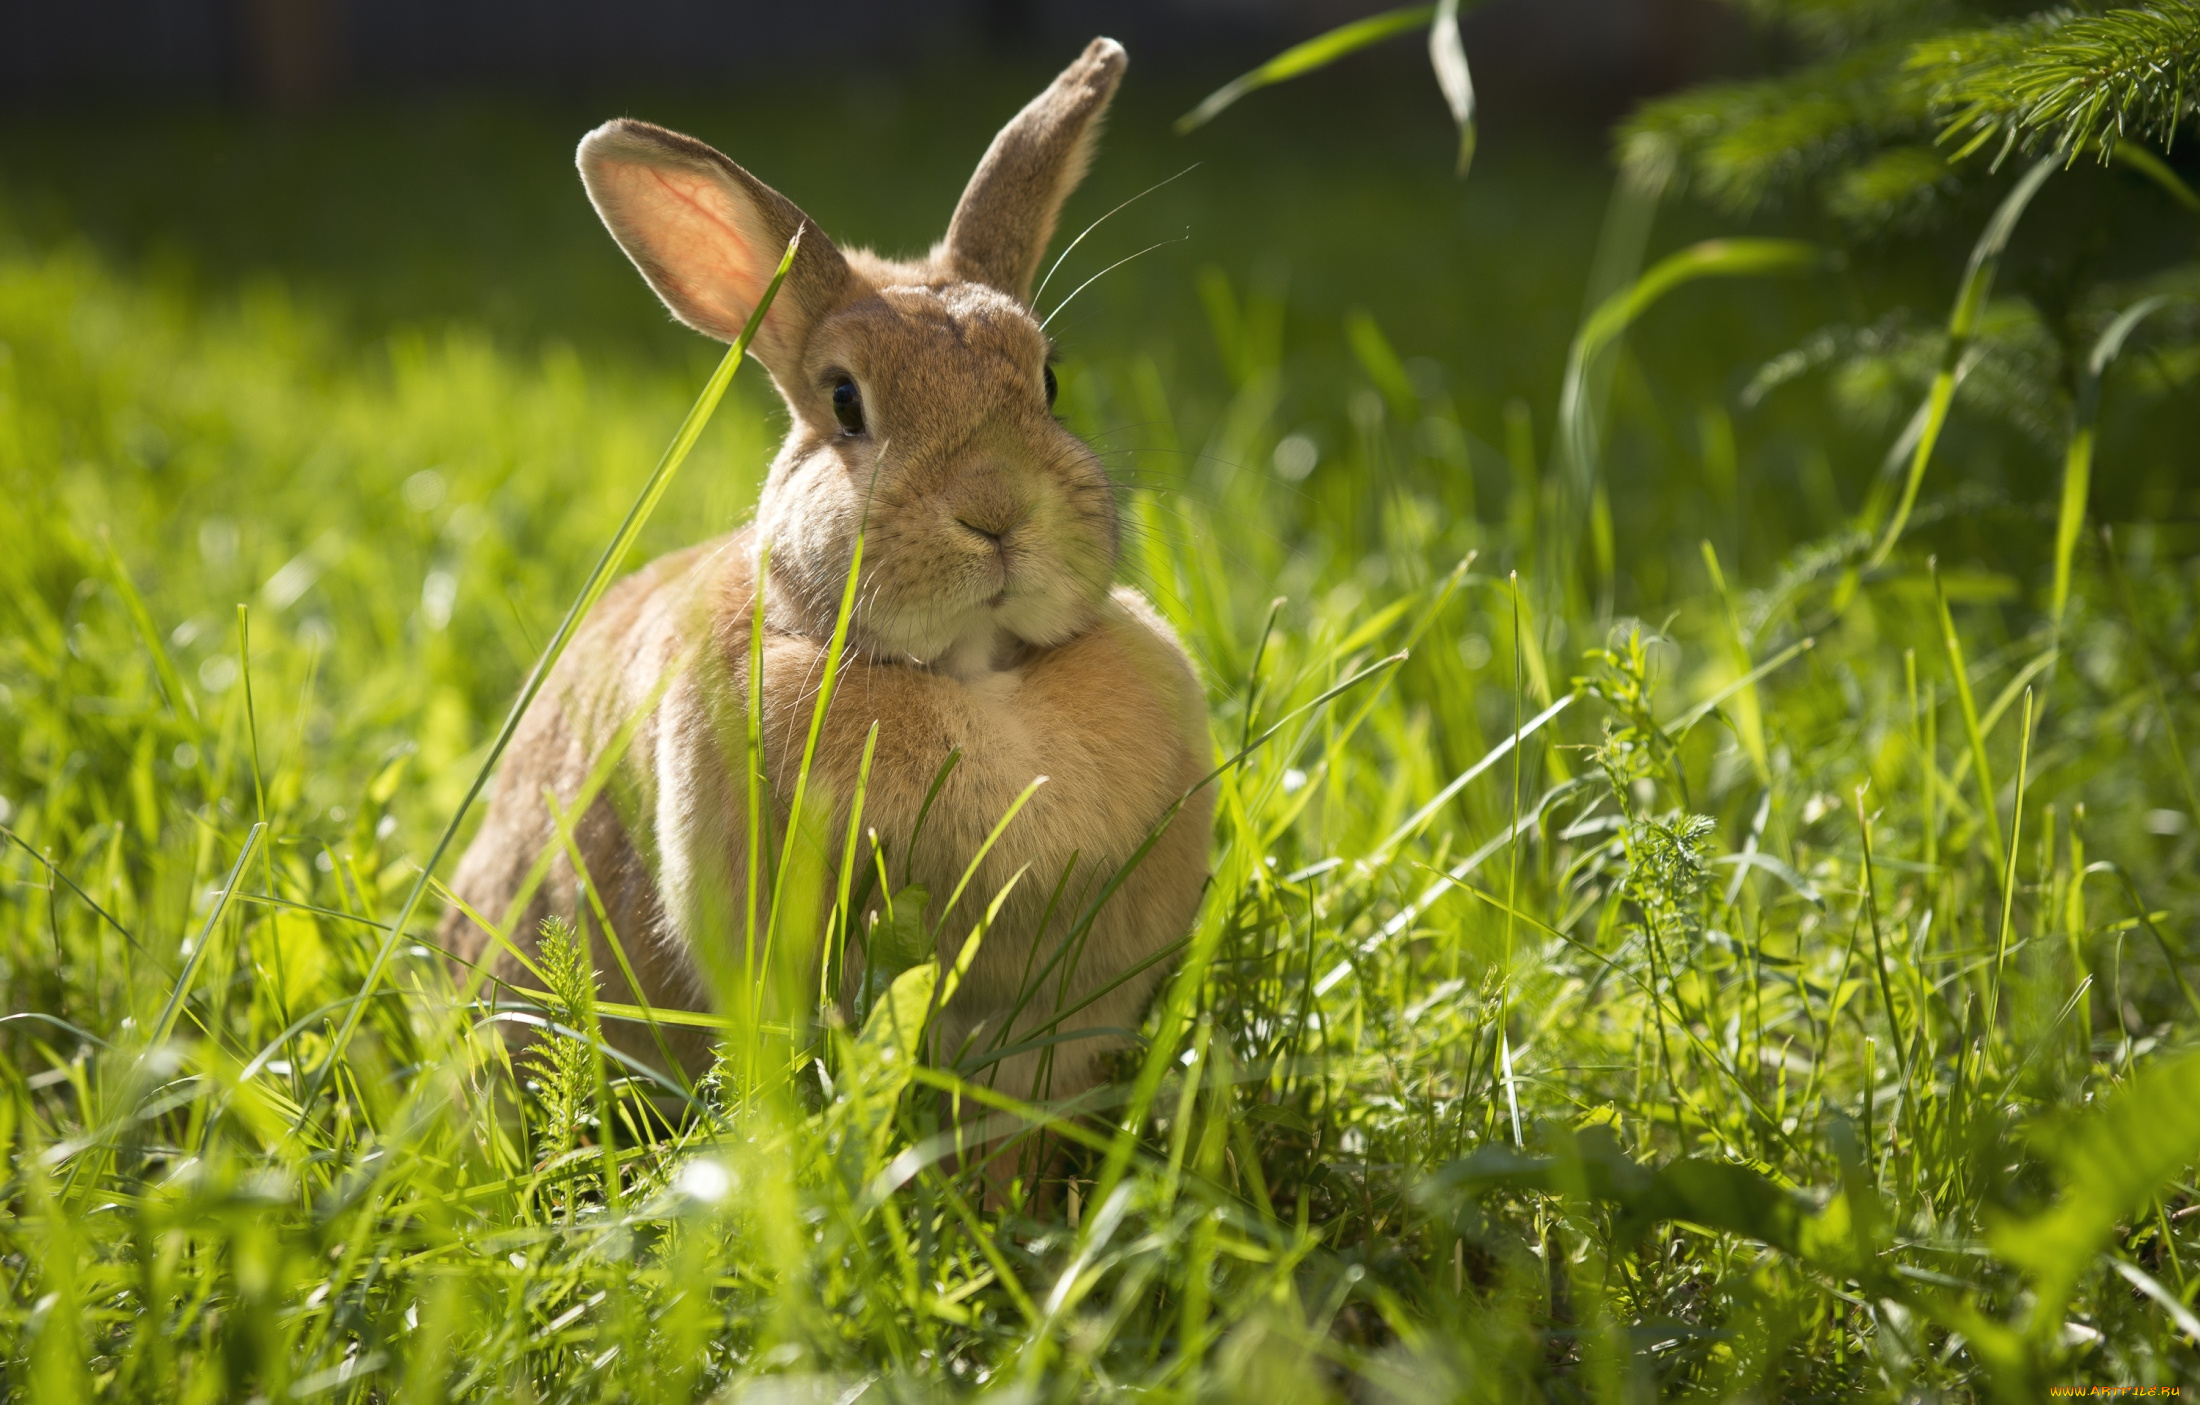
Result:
pixel 1580 62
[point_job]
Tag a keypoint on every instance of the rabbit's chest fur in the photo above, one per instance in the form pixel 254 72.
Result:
pixel 1112 719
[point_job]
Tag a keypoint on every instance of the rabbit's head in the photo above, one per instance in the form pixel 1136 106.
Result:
pixel 920 392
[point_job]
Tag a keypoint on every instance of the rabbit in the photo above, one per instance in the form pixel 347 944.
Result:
pixel 985 623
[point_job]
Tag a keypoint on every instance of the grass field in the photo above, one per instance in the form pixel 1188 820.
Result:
pixel 1797 1011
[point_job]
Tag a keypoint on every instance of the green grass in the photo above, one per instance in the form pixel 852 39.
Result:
pixel 1834 973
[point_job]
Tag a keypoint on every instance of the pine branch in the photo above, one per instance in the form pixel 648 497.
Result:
pixel 2066 80
pixel 1880 135
pixel 1741 145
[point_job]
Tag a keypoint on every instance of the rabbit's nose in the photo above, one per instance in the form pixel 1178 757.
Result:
pixel 991 515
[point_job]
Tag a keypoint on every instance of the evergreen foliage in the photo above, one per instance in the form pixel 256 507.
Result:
pixel 1901 96
pixel 2066 81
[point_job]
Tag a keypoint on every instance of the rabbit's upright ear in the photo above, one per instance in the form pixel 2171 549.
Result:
pixel 708 236
pixel 1006 216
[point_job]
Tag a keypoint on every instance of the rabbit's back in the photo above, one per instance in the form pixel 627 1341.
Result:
pixel 602 684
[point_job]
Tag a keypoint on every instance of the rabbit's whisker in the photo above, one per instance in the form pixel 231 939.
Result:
pixel 1044 321
pixel 1040 291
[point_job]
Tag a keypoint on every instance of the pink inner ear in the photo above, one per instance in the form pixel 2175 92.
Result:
pixel 689 230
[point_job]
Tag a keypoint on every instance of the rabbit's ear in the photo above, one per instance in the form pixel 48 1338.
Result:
pixel 708 236
pixel 1006 216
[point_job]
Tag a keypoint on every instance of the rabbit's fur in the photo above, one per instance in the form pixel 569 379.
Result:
pixel 984 622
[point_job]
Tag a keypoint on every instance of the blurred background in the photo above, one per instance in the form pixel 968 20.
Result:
pixel 402 166
pixel 310 286
pixel 408 162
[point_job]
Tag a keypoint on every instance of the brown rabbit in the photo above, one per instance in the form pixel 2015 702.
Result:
pixel 920 398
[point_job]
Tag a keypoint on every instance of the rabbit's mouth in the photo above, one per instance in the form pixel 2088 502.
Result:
pixel 949 590
pixel 1024 606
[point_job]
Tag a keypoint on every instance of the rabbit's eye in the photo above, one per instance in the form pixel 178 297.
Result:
pixel 848 406
pixel 1051 386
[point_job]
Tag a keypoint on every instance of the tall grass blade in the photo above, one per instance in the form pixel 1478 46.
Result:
pixel 1420 818
pixel 180 702
pixel 1972 732
pixel 1971 297
pixel 196 957
pixel 2007 925
pixel 835 653
pixel 599 580
pixel 2168 714
pixel 1318 52
pixel 1578 408
pixel 2078 454
pixel 1447 55
pixel 1512 880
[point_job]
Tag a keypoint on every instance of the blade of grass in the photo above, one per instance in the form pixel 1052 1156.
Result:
pixel 829 969
pixel 1971 729
pixel 181 705
pixel 2078 455
pixel 181 991
pixel 2009 876
pixel 71 884
pixel 599 580
pixel 1685 723
pixel 758 815
pixel 1712 258
pixel 1447 55
pixel 1963 320
pixel 835 651
pixel 1512 884
pixel 2171 957
pixel 1413 824
pixel 1879 946
pixel 970 869
pixel 2176 747
pixel 1318 52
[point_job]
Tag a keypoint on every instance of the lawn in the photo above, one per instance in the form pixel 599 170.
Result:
pixel 1674 927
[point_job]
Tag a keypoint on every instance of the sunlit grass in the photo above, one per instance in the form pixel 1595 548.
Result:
pixel 1725 1033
